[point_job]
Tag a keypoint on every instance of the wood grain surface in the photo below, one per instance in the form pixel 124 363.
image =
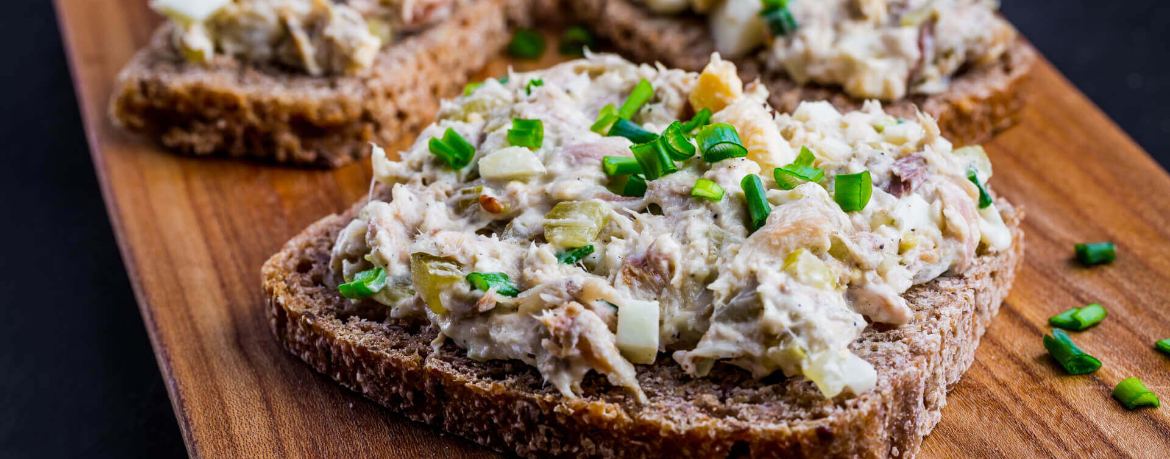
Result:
pixel 194 232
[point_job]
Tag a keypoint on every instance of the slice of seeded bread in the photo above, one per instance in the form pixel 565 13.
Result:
pixel 279 115
pixel 505 405
pixel 980 102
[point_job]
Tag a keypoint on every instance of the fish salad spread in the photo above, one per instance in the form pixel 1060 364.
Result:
pixel 879 49
pixel 596 214
pixel 318 37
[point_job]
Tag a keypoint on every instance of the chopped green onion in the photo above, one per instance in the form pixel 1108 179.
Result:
pixel 757 202
pixel 788 177
pixel 620 165
pixel 852 191
pixel 630 130
pixel 642 93
pixel 526 44
pixel 1077 319
pixel 452 149
pixel 1068 355
pixel 526 133
pixel 575 40
pixel 780 21
pixel 1095 253
pixel 984 198
pixel 773 4
pixel 653 159
pixel 707 189
pixel 574 255
pixel 532 84
pixel 364 284
pixel 501 281
pixel 1163 345
pixel 677 145
pixel 719 141
pixel 605 120
pixel 1133 394
pixel 471 87
pixel 701 119
pixel 635 186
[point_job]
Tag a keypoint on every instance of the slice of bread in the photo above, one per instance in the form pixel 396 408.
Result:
pixel 274 114
pixel 980 101
pixel 506 406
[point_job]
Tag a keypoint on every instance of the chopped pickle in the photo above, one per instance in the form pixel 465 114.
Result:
pixel 396 291
pixel 810 270
pixel 431 275
pixel 637 331
pixel 468 197
pixel 572 224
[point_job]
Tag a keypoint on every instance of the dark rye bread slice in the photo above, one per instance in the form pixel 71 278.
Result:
pixel 506 406
pixel 980 102
pixel 274 114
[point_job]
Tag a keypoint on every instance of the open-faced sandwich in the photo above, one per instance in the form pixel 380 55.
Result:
pixel 957 60
pixel 610 259
pixel 307 82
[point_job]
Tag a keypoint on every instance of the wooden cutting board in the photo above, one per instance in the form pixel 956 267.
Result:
pixel 194 232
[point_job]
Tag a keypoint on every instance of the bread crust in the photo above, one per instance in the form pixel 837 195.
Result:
pixel 506 406
pixel 268 113
pixel 980 101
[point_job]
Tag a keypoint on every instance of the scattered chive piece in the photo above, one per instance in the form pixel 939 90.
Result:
pixel 532 84
pixel 364 284
pixel 778 18
pixel 501 281
pixel 1095 253
pixel 471 87
pixel 625 128
pixel 526 44
pixel 852 191
pixel 452 149
pixel 677 145
pixel 575 40
pixel 719 141
pixel 653 159
pixel 1077 319
pixel 1068 355
pixel 605 120
pixel 788 177
pixel 984 198
pixel 574 255
pixel 526 133
pixel 1133 394
pixel 620 165
pixel 1163 345
pixel 757 202
pixel 701 119
pixel 642 93
pixel 635 186
pixel 707 189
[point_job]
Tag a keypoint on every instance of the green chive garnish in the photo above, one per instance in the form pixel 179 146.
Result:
pixel 677 145
pixel 788 177
pixel 452 149
pixel 471 87
pixel 1068 355
pixel 625 128
pixel 1095 253
pixel 984 198
pixel 574 255
pixel 526 44
pixel 1163 345
pixel 1133 394
pixel 532 84
pixel 642 93
pixel 526 133
pixel 635 186
pixel 778 18
pixel 575 40
pixel 701 119
pixel 620 165
pixel 1077 319
pixel 707 189
pixel 852 191
pixel 605 119
pixel 719 141
pixel 364 284
pixel 653 159
pixel 757 202
pixel 501 281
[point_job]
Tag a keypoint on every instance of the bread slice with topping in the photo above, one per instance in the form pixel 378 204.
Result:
pixel 277 114
pixel 979 101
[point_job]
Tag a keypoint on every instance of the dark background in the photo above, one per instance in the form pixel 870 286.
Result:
pixel 77 376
